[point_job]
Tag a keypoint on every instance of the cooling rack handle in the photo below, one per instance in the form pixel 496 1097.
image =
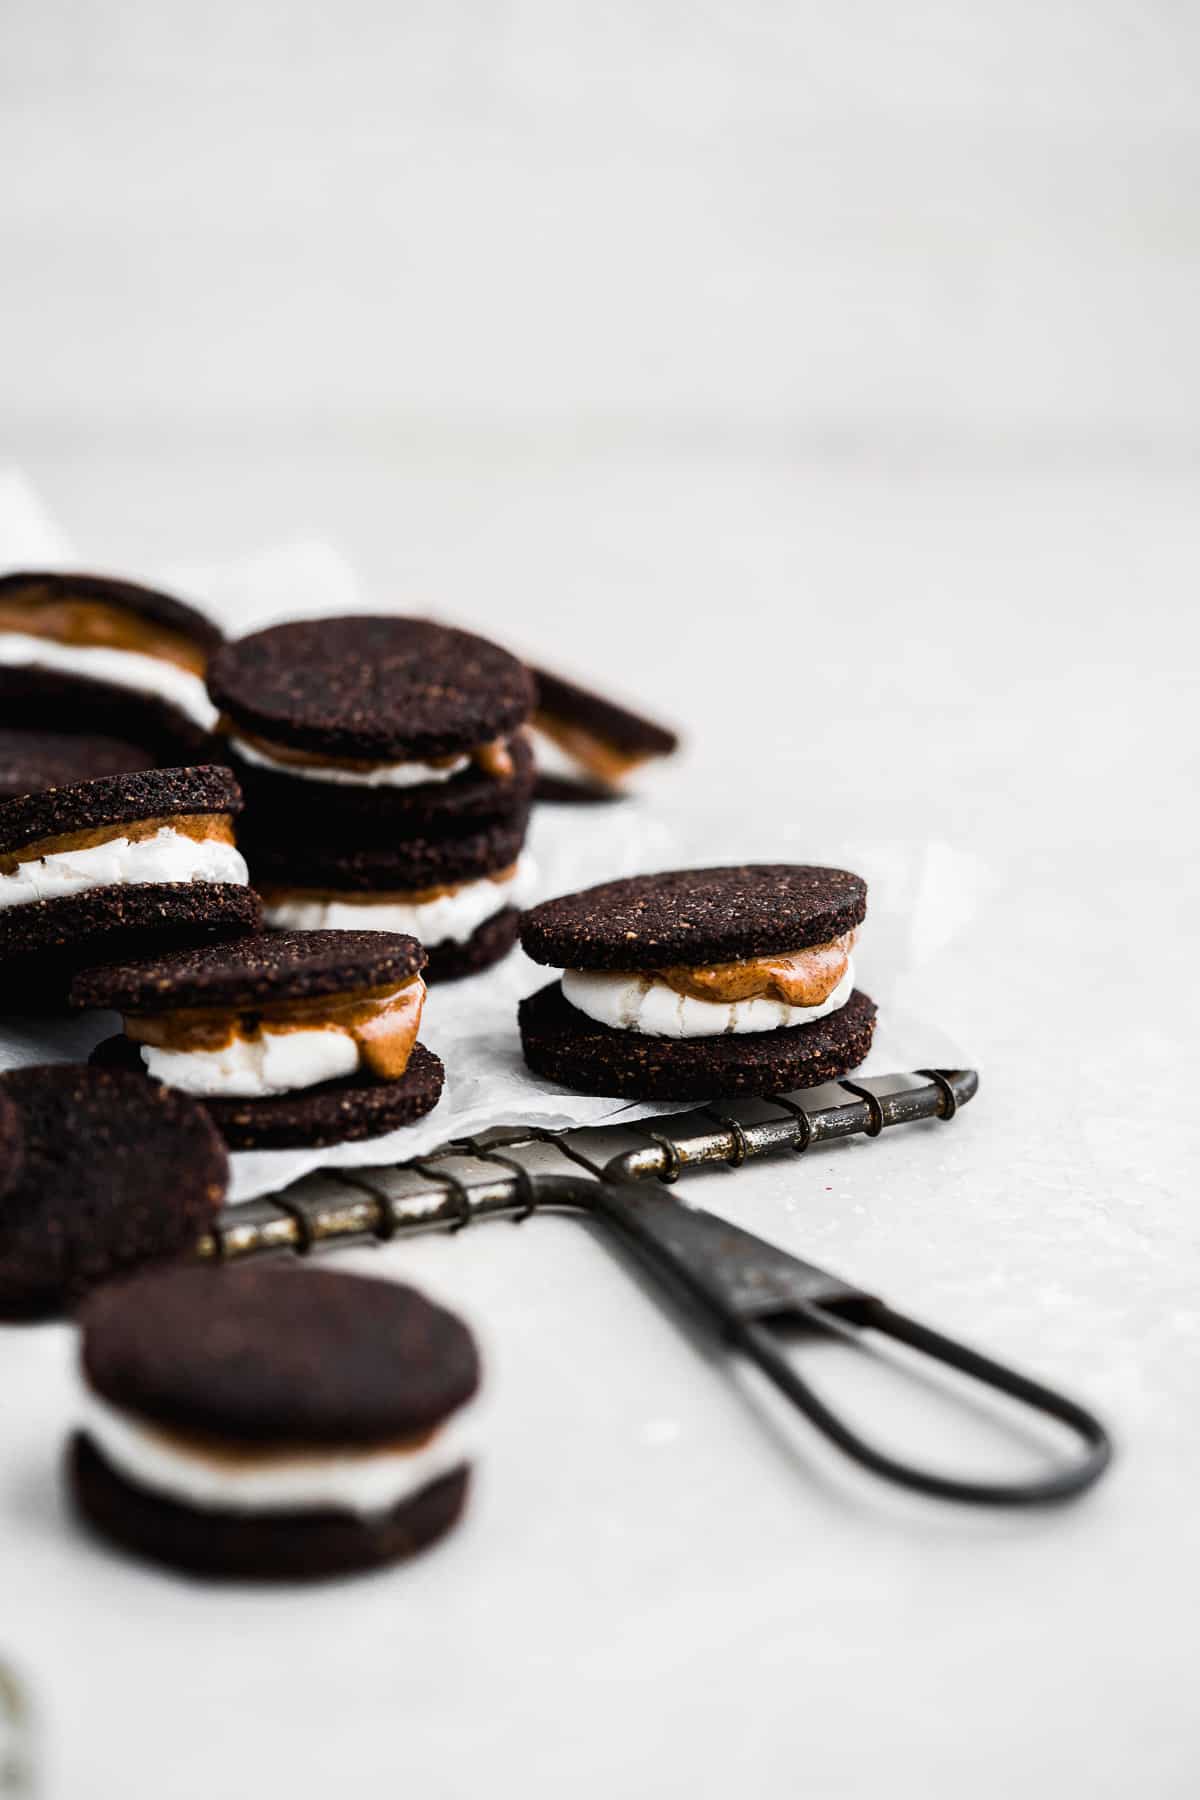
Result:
pixel 749 1292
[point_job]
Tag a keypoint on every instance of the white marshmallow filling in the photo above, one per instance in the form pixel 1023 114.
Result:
pixel 133 669
pixel 167 856
pixel 646 1004
pixel 364 1481
pixel 448 918
pixel 265 1065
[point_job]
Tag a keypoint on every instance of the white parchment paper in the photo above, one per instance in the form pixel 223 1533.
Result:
pixel 918 894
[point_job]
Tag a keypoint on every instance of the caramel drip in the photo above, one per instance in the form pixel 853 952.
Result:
pixel 93 624
pixel 600 758
pixel 803 978
pixel 276 896
pixel 200 827
pixel 494 759
pixel 383 1023
pixel 226 1453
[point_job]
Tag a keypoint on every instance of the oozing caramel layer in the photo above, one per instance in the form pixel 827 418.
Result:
pixel 803 978
pixel 494 759
pixel 200 827
pixel 225 1453
pixel 600 758
pixel 93 624
pixel 383 1023
pixel 282 896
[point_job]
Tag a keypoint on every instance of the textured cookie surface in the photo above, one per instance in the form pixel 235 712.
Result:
pixel 384 688
pixel 695 916
pixel 487 944
pixel 115 1171
pixel 29 696
pixel 256 1546
pixel 296 810
pixel 278 1355
pixel 104 590
pixel 249 971
pixel 404 866
pixel 33 760
pixel 336 1112
pixel 625 730
pixel 12 1152
pixel 564 1045
pixel 116 800
pixel 45 943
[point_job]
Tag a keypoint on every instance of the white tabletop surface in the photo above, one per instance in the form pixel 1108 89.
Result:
pixel 827 379
pixel 657 1589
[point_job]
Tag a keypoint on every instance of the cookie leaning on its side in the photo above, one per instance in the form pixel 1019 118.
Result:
pixel 101 655
pixel 287 1038
pixel 697 983
pixel 271 1423
pixel 587 746
pixel 99 1171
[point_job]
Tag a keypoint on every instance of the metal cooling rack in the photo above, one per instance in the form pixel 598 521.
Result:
pixel 750 1294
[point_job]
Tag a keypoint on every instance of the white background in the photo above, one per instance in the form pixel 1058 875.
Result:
pixel 828 378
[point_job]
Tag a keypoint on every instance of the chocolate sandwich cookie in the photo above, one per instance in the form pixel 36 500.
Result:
pixel 287 1038
pixel 110 1171
pixel 129 862
pixel 33 760
pixel 106 656
pixel 354 729
pixel 696 983
pixel 459 895
pixel 273 1422
pixel 587 747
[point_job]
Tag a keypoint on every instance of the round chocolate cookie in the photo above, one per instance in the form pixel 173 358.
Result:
pixel 695 917
pixel 335 1112
pixel 115 1171
pixel 373 688
pixel 407 865
pixel 31 761
pixel 44 942
pixel 288 809
pixel 243 978
pixel 564 1045
pixel 283 965
pixel 31 694
pixel 243 1367
pixel 115 800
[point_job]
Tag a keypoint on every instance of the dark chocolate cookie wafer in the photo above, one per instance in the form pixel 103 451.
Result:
pixel 695 916
pixel 114 1172
pixel 114 800
pixel 31 761
pixel 592 744
pixel 390 689
pixel 272 1422
pixel 228 1023
pixel 12 1150
pixel 335 1112
pixel 407 865
pixel 564 1045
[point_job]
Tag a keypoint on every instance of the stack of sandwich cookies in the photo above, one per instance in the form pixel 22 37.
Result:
pixel 286 1038
pixel 387 778
pixel 693 984
pixel 586 746
pixel 106 867
pixel 271 1423
pixel 106 656
pixel 33 760
pixel 100 1171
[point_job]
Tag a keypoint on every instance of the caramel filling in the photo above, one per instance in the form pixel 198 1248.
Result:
pixel 200 827
pixel 595 754
pixel 803 978
pixel 279 896
pixel 93 624
pixel 493 759
pixel 383 1022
